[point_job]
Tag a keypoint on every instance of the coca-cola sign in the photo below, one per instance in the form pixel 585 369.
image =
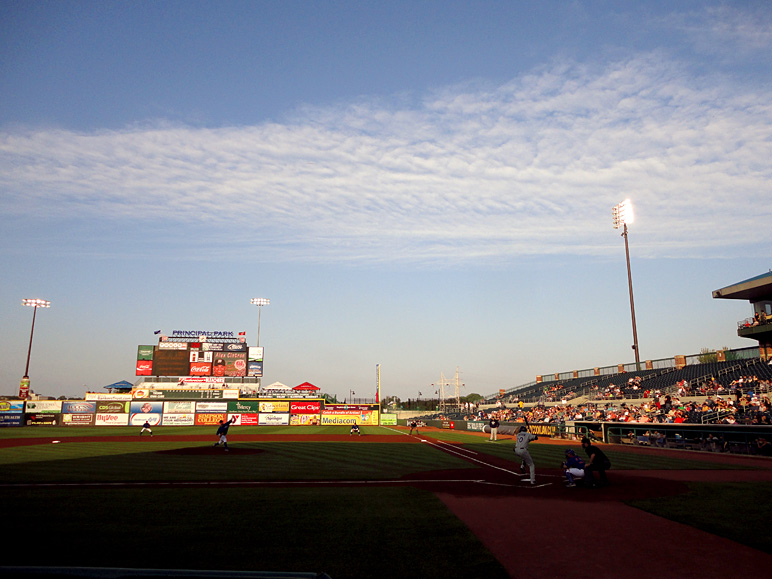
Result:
pixel 201 369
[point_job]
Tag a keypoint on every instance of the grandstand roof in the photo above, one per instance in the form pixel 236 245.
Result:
pixel 753 289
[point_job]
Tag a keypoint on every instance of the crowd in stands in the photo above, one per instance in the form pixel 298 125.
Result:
pixel 745 401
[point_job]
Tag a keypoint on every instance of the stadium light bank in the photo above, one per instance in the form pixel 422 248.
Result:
pixel 622 215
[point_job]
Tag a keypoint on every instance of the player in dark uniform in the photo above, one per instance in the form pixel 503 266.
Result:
pixel 355 430
pixel 146 428
pixel 597 462
pixel 222 432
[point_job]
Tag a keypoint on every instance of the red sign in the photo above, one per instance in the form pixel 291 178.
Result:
pixel 206 419
pixel 144 367
pixel 305 407
pixel 200 369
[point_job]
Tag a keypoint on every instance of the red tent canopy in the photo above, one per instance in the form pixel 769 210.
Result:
pixel 306 386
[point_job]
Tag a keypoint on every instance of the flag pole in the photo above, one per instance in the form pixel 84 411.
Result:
pixel 378 390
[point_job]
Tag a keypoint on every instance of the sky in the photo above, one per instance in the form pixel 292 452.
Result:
pixel 423 185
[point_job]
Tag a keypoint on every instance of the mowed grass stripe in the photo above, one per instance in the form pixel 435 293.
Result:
pixel 349 533
pixel 271 461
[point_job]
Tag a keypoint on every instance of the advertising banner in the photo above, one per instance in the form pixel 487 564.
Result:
pixel 230 364
pixel 186 407
pixel 274 419
pixel 142 410
pixel 179 419
pixel 106 396
pixel 112 419
pixel 172 346
pixel 11 406
pixel 363 418
pixel 10 419
pixel 336 420
pixel 43 406
pixel 389 419
pixel 274 406
pixel 200 369
pixel 77 419
pixel 139 418
pixel 146 407
pixel 244 406
pixel 346 408
pixel 255 369
pixel 204 380
pixel 304 420
pixel 78 407
pixel 310 407
pixel 255 354
pixel 144 368
pixel 145 352
pixel 209 419
pixel 112 406
pixel 248 419
pixel 41 419
pixel 211 407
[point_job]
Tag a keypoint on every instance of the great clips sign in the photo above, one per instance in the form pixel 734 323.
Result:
pixel 305 407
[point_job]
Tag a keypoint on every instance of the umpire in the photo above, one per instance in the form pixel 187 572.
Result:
pixel 597 462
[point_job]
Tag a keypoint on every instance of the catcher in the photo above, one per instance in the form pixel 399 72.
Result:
pixel 573 468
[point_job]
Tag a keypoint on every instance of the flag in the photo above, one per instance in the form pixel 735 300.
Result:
pixel 242 333
pixel 157 332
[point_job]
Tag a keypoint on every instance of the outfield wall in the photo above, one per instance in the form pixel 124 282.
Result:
pixel 208 410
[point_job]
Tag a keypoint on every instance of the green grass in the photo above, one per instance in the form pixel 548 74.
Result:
pixel 737 511
pixel 346 531
pixel 144 461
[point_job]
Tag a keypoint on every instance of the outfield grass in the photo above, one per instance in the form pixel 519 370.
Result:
pixel 350 531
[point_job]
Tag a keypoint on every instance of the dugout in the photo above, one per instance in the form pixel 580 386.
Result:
pixel 733 438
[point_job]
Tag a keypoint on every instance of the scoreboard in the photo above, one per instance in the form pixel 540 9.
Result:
pixel 180 358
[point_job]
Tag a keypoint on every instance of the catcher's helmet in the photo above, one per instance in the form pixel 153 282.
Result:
pixel 570 452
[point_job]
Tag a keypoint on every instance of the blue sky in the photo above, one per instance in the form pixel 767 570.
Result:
pixel 421 185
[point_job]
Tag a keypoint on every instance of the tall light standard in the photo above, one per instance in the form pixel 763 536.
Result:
pixel 622 215
pixel 35 304
pixel 259 302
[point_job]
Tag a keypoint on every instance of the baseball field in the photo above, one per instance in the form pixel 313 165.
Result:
pixel 383 504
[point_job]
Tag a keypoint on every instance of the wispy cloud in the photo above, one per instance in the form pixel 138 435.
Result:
pixel 477 171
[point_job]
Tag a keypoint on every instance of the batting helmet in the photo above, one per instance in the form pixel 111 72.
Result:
pixel 570 452
pixel 523 429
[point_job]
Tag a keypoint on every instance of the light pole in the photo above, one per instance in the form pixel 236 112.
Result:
pixel 622 215
pixel 259 302
pixel 35 304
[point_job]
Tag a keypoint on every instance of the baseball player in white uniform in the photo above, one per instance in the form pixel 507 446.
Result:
pixel 521 450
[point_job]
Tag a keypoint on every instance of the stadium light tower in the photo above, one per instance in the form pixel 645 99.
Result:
pixel 622 215
pixel 259 302
pixel 35 304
